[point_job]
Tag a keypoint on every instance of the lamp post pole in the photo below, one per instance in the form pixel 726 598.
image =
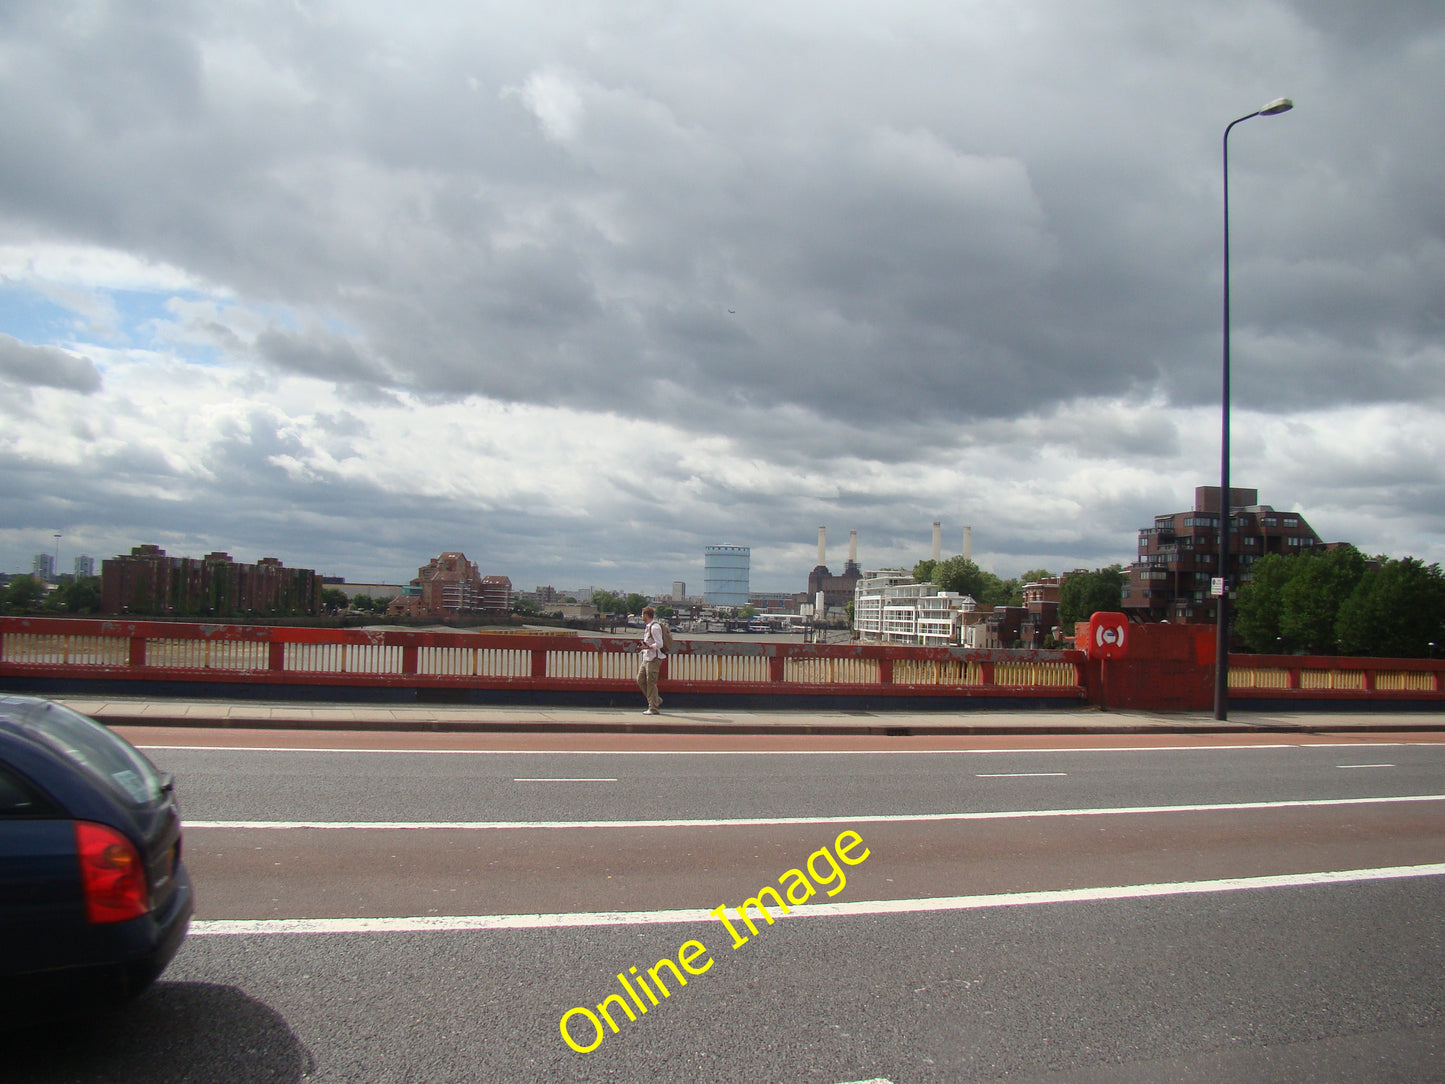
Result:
pixel 1221 641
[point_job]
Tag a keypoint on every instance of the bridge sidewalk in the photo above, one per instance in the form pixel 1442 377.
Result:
pixel 287 715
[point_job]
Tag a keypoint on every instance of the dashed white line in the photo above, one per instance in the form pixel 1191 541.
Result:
pixel 563 779
pixel 1364 765
pixel 1018 775
pixel 453 923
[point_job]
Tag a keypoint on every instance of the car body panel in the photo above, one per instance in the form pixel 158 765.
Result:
pixel 58 768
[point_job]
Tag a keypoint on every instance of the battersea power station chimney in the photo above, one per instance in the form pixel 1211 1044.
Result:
pixel 937 540
pixel 822 546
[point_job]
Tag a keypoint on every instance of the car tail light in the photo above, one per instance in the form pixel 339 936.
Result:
pixel 111 874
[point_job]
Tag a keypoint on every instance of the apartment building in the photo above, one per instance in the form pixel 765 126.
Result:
pixel 1179 555
pixel 889 607
pixel 147 581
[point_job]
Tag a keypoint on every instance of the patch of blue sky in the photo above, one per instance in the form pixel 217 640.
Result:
pixel 34 319
pixel 343 328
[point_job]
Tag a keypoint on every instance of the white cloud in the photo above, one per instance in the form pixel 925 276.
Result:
pixel 582 289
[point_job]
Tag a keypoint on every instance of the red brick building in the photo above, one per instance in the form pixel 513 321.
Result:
pixel 1179 555
pixel 448 585
pixel 147 582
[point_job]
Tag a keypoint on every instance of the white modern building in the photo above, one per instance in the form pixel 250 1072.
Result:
pixel 889 607
pixel 726 572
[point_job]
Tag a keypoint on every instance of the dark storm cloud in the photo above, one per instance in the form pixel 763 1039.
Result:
pixel 851 249
pixel 541 242
pixel 46 366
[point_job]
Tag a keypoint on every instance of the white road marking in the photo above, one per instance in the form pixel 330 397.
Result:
pixel 1364 765
pixel 779 752
pixel 563 779
pixel 451 923
pixel 885 818
pixel 1017 775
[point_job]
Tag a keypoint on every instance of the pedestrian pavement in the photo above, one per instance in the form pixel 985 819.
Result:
pixel 509 718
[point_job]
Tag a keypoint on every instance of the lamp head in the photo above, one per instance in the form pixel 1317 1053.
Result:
pixel 1279 105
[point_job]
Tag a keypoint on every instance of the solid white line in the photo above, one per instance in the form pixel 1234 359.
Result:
pixel 563 779
pixel 1017 775
pixel 777 752
pixel 1364 765
pixel 435 923
pixel 886 818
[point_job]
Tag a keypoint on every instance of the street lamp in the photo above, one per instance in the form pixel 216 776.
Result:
pixel 1221 644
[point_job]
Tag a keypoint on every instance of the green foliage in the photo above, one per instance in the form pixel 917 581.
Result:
pixel 608 602
pixel 748 613
pixel 1310 602
pixel 333 598
pixel 23 595
pixel 923 571
pixel 1257 611
pixel 634 603
pixel 1295 603
pixel 1396 611
pixel 1083 594
pixel 79 594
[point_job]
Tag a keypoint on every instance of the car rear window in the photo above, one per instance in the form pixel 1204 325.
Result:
pixel 19 799
pixel 91 747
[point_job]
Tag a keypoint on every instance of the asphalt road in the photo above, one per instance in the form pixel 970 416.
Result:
pixel 1225 910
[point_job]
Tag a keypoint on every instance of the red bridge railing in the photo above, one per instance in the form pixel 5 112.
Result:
pixel 1167 668
pixel 64 649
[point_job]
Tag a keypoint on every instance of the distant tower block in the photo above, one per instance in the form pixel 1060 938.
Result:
pixel 726 574
pixel 937 540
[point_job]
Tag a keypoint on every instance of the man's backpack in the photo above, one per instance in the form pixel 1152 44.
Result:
pixel 666 637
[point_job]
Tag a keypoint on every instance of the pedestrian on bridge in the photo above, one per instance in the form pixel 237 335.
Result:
pixel 651 660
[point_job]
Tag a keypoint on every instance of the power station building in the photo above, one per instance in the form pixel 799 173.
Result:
pixel 837 591
pixel 726 574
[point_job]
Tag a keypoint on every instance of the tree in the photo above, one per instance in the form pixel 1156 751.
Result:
pixel 1310 602
pixel 607 602
pixel 1083 594
pixel 961 574
pixel 79 594
pixel 1396 610
pixel 923 571
pixel 634 603
pixel 23 594
pixel 333 599
pixel 1261 601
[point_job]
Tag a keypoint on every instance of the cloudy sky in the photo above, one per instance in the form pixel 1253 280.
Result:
pixel 580 288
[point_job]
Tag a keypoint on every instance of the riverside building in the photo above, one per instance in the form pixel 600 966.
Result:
pixel 1179 556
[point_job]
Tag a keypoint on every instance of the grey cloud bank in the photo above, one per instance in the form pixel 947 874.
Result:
pixel 582 289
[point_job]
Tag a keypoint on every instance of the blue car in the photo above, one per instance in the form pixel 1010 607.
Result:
pixel 94 899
